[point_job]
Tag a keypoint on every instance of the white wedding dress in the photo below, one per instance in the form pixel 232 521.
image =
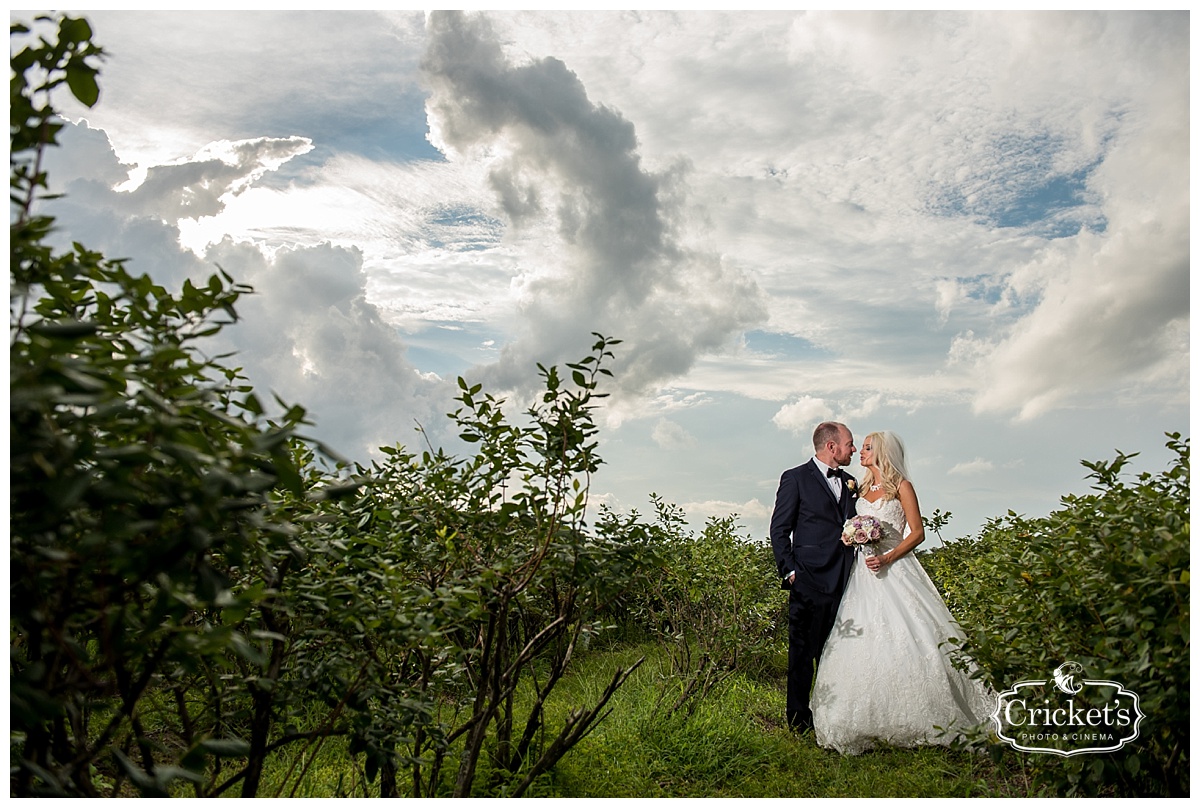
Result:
pixel 883 675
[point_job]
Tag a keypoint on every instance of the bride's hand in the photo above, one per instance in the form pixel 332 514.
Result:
pixel 877 562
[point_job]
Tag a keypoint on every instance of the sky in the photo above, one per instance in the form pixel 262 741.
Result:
pixel 969 228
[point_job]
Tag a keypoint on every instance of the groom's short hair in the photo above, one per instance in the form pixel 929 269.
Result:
pixel 825 432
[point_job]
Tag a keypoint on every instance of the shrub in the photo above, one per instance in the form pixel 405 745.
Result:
pixel 711 600
pixel 191 594
pixel 140 473
pixel 1103 582
pixel 442 585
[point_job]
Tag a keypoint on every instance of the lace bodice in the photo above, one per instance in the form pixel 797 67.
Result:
pixel 890 514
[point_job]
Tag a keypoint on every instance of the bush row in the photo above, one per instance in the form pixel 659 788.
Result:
pixel 1103 582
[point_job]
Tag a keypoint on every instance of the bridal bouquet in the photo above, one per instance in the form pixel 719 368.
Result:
pixel 861 531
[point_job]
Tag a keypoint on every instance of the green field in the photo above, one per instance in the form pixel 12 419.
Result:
pixel 734 745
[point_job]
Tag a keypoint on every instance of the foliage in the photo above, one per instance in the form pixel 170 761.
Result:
pixel 38 69
pixel 712 602
pixel 193 596
pixel 440 587
pixel 734 745
pixel 140 473
pixel 1103 582
pixel 936 521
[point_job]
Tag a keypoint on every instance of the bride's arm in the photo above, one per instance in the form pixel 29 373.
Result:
pixel 916 527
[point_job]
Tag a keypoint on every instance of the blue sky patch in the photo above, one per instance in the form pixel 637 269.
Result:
pixel 463 228
pixel 1056 209
pixel 449 349
pixel 1018 186
pixel 397 134
pixel 784 346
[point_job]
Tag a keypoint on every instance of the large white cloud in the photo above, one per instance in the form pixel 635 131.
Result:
pixel 1113 307
pixel 561 163
pixel 802 416
pixel 307 333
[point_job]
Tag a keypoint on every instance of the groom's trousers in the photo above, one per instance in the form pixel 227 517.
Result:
pixel 809 624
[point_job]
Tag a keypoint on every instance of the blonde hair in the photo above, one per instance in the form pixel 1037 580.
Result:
pixel 888 450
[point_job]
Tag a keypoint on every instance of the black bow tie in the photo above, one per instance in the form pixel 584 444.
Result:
pixel 831 473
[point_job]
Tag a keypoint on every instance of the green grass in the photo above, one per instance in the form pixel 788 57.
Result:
pixel 733 745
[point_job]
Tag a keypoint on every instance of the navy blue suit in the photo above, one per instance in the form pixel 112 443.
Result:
pixel 806 535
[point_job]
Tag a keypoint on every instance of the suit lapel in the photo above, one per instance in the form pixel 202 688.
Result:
pixel 845 500
pixel 815 471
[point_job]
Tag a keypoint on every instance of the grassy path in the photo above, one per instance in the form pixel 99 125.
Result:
pixel 736 746
pixel 733 746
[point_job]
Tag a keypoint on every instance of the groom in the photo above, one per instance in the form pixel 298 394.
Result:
pixel 813 503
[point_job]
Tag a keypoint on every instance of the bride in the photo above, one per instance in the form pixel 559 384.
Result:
pixel 883 674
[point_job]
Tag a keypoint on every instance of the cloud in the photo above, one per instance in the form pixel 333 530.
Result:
pixel 200 186
pixel 976 466
pixel 568 170
pixel 670 435
pixel 869 206
pixel 1112 307
pixel 175 81
pixel 930 175
pixel 308 332
pixel 950 295
pixel 865 408
pixel 801 417
pixel 194 188
pixel 753 511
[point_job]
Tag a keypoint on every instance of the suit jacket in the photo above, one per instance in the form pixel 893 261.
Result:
pixel 806 533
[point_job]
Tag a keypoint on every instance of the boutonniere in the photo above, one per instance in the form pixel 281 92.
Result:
pixel 851 485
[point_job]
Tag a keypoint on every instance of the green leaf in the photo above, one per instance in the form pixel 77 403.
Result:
pixel 65 329
pixel 225 747
pixel 81 79
pixel 339 490
pixel 73 30
pixel 289 475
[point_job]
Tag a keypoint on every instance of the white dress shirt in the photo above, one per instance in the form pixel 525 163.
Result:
pixel 835 482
